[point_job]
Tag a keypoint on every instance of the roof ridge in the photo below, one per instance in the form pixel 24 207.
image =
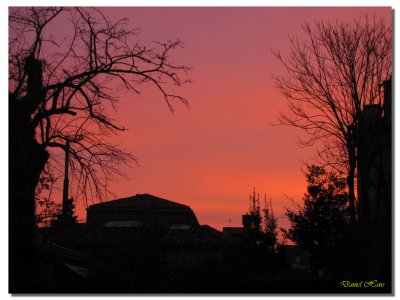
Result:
pixel 140 198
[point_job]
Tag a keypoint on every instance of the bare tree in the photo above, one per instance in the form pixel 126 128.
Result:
pixel 64 87
pixel 330 78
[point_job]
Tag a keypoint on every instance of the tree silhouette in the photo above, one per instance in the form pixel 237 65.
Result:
pixel 46 207
pixel 261 224
pixel 330 78
pixel 270 227
pixel 321 226
pixel 64 87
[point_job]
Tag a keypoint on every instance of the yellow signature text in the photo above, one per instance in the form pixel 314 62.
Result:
pixel 361 284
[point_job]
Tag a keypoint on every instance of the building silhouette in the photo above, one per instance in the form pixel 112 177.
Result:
pixel 374 175
pixel 374 147
pixel 142 210
pixel 126 245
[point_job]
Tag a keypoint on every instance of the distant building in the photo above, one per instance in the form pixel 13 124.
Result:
pixel 142 210
pixel 138 225
pixel 374 148
pixel 237 232
pixel 249 222
pixel 374 175
pixel 128 242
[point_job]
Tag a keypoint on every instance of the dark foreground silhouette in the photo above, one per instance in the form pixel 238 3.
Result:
pixel 146 244
pixel 109 261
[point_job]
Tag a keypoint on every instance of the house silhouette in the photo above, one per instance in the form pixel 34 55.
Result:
pixel 142 210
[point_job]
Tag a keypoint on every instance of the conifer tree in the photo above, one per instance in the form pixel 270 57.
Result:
pixel 263 229
pixel 269 227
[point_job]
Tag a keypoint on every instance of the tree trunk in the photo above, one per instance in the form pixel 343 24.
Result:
pixel 27 159
pixel 350 182
pixel 26 162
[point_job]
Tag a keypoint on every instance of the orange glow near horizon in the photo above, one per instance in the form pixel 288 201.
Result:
pixel 212 156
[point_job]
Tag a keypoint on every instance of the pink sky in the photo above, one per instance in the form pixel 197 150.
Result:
pixel 212 156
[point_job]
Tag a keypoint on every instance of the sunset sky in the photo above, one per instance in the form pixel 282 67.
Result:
pixel 212 156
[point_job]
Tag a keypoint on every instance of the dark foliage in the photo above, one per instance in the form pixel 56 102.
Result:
pixel 321 226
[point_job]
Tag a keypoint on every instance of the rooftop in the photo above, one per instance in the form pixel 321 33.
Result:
pixel 139 202
pixel 141 210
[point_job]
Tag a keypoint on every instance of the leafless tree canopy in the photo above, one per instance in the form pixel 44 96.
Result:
pixel 330 77
pixel 76 76
pixel 334 74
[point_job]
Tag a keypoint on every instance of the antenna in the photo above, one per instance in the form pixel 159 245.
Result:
pixel 249 203
pixel 254 198
pixel 265 201
pixel 270 204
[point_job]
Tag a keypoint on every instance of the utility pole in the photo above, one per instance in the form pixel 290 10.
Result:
pixel 65 201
